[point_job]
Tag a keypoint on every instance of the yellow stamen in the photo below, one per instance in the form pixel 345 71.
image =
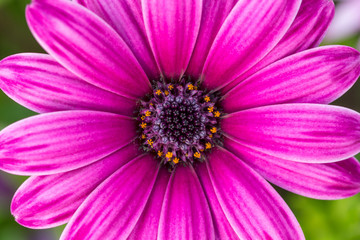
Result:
pixel 143 125
pixel 159 153
pixel 150 142
pixel 208 145
pixel 196 88
pixel 151 104
pixel 210 136
pixel 217 114
pixel 166 92
pixel 213 130
pixel 197 155
pixel 147 113
pixel 171 87
pixel 143 136
pixel 176 160
pixel 191 87
pixel 210 109
pixel 143 117
pixel 207 99
pixel 169 155
pixel 158 92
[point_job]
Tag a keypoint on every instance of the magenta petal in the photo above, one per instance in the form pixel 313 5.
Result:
pixel 62 141
pixel 147 225
pixel 49 201
pixel 81 2
pixel 112 210
pixel 213 15
pixel 319 75
pixel 222 227
pixel 185 213
pixel 87 46
pixel 126 18
pixel 172 27
pixel 251 30
pixel 321 181
pixel 251 205
pixel 297 132
pixel 306 31
pixel 41 84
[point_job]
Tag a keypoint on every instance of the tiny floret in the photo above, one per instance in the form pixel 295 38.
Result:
pixel 147 113
pixel 150 142
pixel 169 155
pixel 213 130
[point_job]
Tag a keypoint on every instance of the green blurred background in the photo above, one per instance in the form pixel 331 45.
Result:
pixel 320 220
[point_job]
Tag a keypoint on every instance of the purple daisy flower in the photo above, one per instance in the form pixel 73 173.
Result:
pixel 166 119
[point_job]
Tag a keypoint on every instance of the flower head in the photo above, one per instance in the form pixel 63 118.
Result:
pixel 180 123
pixel 158 122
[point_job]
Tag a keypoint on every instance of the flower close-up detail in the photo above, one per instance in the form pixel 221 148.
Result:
pixel 170 119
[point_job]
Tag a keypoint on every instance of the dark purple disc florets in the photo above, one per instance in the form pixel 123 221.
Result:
pixel 179 122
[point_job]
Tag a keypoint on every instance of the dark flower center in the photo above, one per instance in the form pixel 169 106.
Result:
pixel 179 122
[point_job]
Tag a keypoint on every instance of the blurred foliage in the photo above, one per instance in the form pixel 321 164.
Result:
pixel 15 35
pixel 324 219
pixel 330 220
pixel 320 220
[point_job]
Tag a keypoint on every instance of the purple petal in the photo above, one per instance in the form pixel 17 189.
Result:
pixel 41 84
pixel 213 15
pixel 185 212
pixel 112 210
pixel 62 141
pixel 50 201
pixel 147 225
pixel 222 227
pixel 126 18
pixel 306 31
pixel 321 181
pixel 310 133
pixel 251 205
pixel 247 35
pixel 319 75
pixel 87 46
pixel 81 2
pixel 172 27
